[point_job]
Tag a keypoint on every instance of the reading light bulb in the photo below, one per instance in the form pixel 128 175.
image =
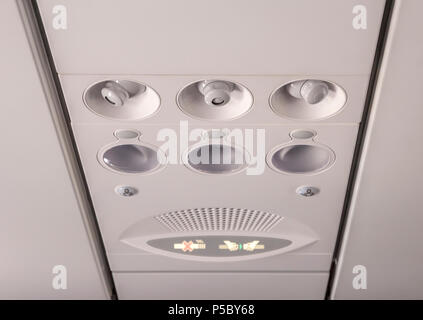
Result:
pixel 115 94
pixel 216 93
pixel 312 91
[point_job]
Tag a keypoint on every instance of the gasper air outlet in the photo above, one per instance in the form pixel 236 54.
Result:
pixel 215 100
pixel 122 99
pixel 308 99
pixel 218 234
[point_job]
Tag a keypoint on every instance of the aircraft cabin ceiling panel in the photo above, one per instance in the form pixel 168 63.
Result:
pixel 219 37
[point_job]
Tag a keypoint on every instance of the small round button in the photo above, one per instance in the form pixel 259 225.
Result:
pixel 126 191
pixel 306 191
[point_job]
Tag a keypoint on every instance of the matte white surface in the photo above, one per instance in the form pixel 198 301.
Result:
pixel 40 218
pixel 225 37
pixel 248 286
pixel 386 219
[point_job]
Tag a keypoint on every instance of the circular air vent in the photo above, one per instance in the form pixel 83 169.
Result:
pixel 301 158
pixel 215 100
pixel 132 158
pixel 217 158
pixel 308 100
pixel 122 99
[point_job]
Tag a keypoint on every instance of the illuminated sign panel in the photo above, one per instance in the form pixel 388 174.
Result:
pixel 219 246
pixel 249 246
pixel 190 246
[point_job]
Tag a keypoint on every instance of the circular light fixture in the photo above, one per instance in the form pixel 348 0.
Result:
pixel 132 158
pixel 217 158
pixel 301 158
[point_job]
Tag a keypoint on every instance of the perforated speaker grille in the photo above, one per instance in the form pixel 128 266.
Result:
pixel 219 219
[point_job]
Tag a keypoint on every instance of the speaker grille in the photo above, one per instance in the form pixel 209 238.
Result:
pixel 219 219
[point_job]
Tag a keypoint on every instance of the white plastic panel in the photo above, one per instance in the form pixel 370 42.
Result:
pixel 176 187
pixel 43 219
pixel 384 229
pixel 214 286
pixel 223 37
